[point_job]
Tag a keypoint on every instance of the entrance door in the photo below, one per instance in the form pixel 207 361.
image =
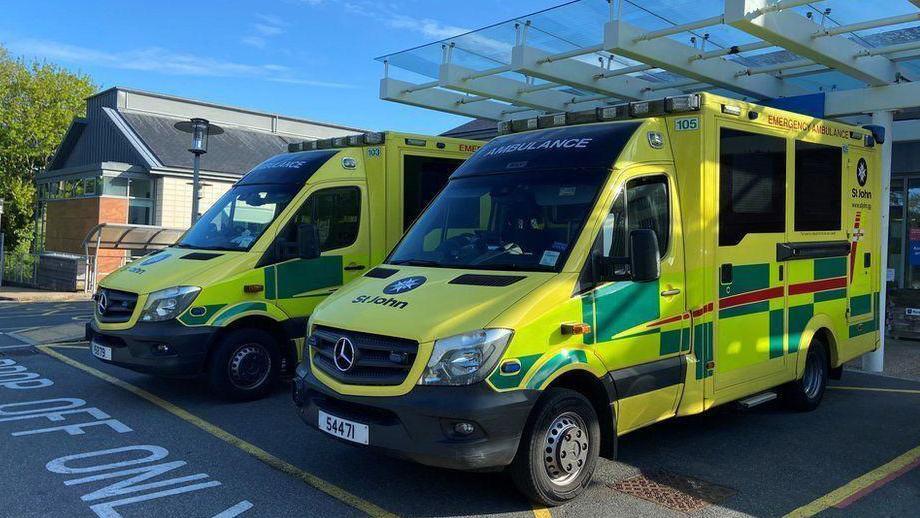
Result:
pixel 336 211
pixel 750 319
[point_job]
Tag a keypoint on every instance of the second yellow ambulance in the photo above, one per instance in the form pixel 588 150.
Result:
pixel 589 274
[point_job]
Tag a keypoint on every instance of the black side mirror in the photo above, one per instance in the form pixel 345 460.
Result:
pixel 307 241
pixel 645 257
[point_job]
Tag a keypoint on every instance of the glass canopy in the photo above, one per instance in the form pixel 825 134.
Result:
pixel 577 32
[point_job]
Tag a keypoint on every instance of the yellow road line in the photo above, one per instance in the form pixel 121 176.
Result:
pixel 541 512
pixel 854 486
pixel 875 389
pixel 275 462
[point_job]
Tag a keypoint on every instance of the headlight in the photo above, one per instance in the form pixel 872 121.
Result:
pixel 169 303
pixel 466 358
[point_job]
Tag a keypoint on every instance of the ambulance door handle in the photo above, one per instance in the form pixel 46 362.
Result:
pixel 354 267
pixel 670 293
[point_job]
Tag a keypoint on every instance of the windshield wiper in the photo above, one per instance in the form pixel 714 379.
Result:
pixel 416 262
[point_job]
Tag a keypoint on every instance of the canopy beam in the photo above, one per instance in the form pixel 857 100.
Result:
pixel 797 34
pixel 665 53
pixel 581 75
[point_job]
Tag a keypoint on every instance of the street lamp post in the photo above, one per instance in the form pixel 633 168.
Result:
pixel 200 130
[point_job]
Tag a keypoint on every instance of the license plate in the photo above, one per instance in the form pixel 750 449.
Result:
pixel 101 351
pixel 343 428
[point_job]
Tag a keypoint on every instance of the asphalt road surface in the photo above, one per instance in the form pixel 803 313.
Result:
pixel 135 445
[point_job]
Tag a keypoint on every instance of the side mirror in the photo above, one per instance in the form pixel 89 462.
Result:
pixel 307 241
pixel 645 257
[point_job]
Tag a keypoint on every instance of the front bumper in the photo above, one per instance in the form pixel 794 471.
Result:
pixel 134 348
pixel 419 426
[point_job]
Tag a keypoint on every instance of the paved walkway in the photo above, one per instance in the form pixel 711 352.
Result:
pixel 18 294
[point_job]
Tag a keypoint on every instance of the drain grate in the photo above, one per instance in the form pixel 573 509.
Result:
pixel 677 492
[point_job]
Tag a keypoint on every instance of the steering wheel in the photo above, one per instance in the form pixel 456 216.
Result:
pixel 452 247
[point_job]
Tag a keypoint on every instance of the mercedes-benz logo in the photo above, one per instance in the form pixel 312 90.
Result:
pixel 102 302
pixel 343 354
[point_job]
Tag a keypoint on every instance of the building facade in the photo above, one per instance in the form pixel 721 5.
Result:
pixel 125 162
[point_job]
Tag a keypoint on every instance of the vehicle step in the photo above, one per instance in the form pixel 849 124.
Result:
pixel 757 399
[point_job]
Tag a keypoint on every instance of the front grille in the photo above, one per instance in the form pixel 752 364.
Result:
pixel 119 306
pixel 379 360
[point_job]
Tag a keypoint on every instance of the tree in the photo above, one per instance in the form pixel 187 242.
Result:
pixel 38 101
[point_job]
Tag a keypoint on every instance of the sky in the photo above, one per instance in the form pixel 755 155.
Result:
pixel 304 58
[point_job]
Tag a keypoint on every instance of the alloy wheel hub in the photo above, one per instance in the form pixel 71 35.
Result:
pixel 565 448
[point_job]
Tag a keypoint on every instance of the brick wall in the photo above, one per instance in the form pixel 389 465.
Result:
pixel 69 221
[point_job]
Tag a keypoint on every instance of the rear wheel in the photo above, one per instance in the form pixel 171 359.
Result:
pixel 805 394
pixel 559 448
pixel 245 365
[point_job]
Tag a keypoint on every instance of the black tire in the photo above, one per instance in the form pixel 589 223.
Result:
pixel 237 369
pixel 537 457
pixel 805 394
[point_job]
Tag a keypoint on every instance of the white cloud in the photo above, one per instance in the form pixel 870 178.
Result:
pixel 254 41
pixel 163 61
pixel 267 30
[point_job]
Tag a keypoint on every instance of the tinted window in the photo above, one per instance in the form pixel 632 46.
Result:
pixel 423 179
pixel 335 212
pixel 818 170
pixel 752 185
pixel 644 206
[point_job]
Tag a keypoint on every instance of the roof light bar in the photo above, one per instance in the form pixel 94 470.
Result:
pixel 625 111
pixel 361 139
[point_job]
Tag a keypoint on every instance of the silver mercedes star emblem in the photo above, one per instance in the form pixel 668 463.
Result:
pixel 343 354
pixel 102 302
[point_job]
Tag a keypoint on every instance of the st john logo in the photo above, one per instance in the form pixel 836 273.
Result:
pixel 862 172
pixel 404 285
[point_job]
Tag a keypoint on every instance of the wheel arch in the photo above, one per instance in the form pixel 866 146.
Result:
pixel 822 327
pixel 259 321
pixel 602 395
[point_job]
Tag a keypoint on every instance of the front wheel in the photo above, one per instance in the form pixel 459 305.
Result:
pixel 805 394
pixel 559 448
pixel 245 365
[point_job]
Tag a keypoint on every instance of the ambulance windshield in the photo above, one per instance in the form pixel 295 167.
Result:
pixel 239 217
pixel 512 221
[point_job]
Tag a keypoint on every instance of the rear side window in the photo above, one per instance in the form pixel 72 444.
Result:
pixel 423 179
pixel 752 185
pixel 818 170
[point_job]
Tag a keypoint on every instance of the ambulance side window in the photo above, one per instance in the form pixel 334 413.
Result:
pixel 646 206
pixel 818 184
pixel 752 185
pixel 336 213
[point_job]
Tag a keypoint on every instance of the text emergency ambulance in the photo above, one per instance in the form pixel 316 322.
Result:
pixel 577 282
pixel 233 295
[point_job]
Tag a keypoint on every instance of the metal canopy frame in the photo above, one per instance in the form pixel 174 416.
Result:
pixel 117 236
pixel 589 53
pixel 779 42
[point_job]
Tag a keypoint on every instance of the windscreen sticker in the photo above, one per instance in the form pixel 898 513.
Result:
pixel 567 191
pixel 244 239
pixel 549 258
pixel 559 246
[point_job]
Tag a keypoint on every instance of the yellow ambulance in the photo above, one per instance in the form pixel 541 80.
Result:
pixel 588 274
pixel 232 297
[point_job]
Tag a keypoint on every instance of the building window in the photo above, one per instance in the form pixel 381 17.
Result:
pixel 818 184
pixel 140 189
pixel 115 186
pixel 752 185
